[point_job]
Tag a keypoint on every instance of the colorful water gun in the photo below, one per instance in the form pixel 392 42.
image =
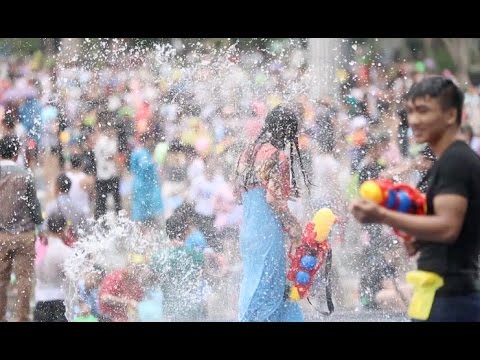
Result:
pixel 310 254
pixel 395 196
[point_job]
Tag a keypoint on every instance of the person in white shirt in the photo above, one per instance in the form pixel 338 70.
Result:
pixel 65 205
pixel 202 190
pixel 82 185
pixel 50 286
pixel 108 180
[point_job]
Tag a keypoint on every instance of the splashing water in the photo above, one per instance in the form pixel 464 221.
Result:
pixel 112 243
pixel 175 280
pixel 223 83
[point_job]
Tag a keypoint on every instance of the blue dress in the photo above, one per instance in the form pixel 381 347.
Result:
pixel 262 247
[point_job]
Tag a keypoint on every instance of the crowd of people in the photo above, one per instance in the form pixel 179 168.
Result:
pixel 164 142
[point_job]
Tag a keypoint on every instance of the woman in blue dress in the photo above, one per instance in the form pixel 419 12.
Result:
pixel 265 181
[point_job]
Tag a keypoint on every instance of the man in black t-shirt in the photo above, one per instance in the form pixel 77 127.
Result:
pixel 448 238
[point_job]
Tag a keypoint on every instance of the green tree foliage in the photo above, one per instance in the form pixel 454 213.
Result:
pixel 20 46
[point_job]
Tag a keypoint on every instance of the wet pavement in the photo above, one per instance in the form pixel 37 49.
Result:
pixel 365 316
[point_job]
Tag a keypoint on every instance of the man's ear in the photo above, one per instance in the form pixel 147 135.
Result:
pixel 452 116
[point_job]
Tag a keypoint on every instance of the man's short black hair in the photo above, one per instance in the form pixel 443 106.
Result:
pixel 176 228
pixel 9 147
pixel 63 183
pixel 441 87
pixel 179 222
pixel 76 161
pixel 56 222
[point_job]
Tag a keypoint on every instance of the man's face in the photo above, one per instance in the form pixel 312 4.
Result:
pixel 427 119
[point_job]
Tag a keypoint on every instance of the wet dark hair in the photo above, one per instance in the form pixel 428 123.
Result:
pixel 280 128
pixel 63 183
pixel 449 95
pixel 56 222
pixel 9 146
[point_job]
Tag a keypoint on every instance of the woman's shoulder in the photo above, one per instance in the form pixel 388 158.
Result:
pixel 268 151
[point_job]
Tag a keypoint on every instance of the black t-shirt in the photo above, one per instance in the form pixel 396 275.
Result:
pixel 457 171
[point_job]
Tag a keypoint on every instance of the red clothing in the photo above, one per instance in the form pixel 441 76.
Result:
pixel 118 284
pixel 266 159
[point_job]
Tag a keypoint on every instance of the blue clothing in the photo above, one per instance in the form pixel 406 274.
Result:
pixel 262 291
pixel 90 297
pixel 196 241
pixel 151 307
pixel 30 117
pixel 147 200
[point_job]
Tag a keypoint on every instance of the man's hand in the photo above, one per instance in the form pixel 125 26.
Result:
pixel 366 211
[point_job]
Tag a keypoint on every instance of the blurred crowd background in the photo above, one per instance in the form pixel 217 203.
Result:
pixel 168 118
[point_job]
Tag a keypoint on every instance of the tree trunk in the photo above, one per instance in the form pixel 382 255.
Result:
pixel 322 55
pixel 49 44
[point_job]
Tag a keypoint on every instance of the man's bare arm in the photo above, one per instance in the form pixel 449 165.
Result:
pixel 442 227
